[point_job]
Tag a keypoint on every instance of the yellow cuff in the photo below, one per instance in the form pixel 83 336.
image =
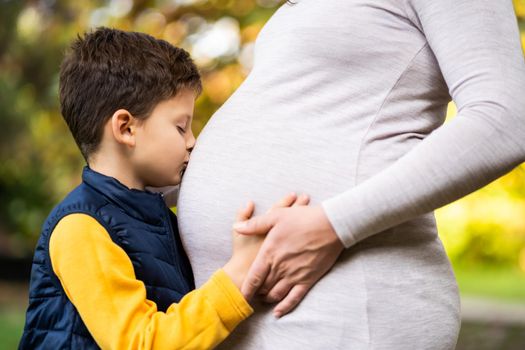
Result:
pixel 231 306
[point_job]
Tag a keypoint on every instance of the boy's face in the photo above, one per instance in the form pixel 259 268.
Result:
pixel 164 141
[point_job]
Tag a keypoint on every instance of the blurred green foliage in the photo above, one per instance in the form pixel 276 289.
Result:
pixel 12 324
pixel 39 162
pixel 39 159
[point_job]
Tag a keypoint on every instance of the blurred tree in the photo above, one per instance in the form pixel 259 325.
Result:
pixel 39 160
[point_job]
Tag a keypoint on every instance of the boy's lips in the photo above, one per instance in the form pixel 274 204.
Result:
pixel 184 166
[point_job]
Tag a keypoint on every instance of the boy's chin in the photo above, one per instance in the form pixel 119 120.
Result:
pixel 168 182
pixel 181 173
pixel 165 188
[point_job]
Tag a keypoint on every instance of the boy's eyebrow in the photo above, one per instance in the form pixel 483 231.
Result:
pixel 187 116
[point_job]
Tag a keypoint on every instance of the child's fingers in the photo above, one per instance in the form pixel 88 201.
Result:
pixel 246 212
pixel 303 199
pixel 286 201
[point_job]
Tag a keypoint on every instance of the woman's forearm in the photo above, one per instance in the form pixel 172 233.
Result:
pixel 478 49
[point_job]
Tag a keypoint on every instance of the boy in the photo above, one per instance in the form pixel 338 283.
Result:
pixel 109 269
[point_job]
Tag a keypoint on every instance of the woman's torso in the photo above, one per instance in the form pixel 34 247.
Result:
pixel 339 90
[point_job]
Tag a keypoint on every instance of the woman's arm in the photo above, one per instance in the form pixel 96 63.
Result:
pixel 477 46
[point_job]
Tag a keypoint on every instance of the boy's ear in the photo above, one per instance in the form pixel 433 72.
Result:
pixel 123 126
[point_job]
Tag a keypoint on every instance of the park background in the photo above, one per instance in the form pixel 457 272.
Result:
pixel 484 233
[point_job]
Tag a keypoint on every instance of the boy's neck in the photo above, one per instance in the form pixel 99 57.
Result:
pixel 117 169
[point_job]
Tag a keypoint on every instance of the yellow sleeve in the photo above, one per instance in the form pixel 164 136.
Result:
pixel 98 278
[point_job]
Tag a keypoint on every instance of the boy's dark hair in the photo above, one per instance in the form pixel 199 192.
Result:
pixel 110 69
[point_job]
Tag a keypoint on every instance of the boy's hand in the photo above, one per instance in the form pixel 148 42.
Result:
pixel 245 248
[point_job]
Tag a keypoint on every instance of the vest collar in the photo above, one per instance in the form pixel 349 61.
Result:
pixel 143 205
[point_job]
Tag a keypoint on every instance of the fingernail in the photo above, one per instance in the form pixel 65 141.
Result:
pixel 277 314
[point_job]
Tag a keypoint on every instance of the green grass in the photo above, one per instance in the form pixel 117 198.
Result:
pixel 497 283
pixel 11 326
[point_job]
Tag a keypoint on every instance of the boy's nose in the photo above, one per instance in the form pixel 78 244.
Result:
pixel 190 143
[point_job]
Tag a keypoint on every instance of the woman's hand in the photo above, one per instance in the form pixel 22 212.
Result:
pixel 246 247
pixel 300 248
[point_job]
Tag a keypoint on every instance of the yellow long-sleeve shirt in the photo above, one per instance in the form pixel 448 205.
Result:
pixel 98 277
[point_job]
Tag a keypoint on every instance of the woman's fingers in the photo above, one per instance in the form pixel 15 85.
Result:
pixel 303 199
pixel 293 298
pixel 261 224
pixel 290 200
pixel 278 292
pixel 286 201
pixel 246 212
pixel 255 277
pixel 258 225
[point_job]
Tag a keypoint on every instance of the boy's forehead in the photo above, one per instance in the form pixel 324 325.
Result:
pixel 182 102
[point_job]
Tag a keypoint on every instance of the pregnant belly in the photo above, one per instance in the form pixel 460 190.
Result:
pixel 237 159
pixel 234 162
pixel 243 156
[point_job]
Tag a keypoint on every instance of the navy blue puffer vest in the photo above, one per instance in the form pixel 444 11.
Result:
pixel 141 224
